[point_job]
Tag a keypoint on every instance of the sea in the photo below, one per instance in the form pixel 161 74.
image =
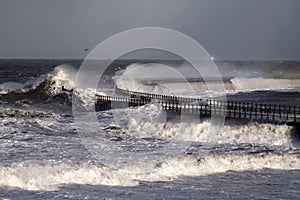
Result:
pixel 47 152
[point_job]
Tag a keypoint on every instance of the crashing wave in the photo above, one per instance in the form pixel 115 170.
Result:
pixel 50 175
pixel 42 88
pixel 153 124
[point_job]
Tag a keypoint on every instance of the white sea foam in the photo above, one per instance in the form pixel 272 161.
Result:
pixel 10 86
pixel 49 175
pixel 265 134
pixel 63 75
pixel 253 133
pixel 87 96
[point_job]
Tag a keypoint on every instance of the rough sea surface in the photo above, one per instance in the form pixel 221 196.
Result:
pixel 44 154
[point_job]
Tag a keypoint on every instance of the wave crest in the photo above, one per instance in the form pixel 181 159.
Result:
pixel 41 88
pixel 50 176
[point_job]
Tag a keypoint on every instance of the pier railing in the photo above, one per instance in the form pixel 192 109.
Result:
pixel 229 109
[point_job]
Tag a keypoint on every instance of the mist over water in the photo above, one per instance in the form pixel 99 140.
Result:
pixel 175 80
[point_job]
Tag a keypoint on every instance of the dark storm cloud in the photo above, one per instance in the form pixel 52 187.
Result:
pixel 228 29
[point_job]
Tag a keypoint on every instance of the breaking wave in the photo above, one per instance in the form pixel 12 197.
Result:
pixel 50 175
pixel 61 81
pixel 150 122
pixel 40 89
pixel 56 87
pixel 62 75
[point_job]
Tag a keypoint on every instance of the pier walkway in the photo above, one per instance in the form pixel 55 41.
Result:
pixel 289 115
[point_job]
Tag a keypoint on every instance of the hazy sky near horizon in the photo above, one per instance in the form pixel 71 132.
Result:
pixel 227 29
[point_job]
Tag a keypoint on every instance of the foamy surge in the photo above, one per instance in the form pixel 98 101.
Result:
pixel 62 75
pixel 264 134
pixel 10 86
pixel 49 176
pixel 152 122
pixel 86 97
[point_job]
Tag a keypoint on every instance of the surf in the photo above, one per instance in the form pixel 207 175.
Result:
pixel 50 176
pixel 40 89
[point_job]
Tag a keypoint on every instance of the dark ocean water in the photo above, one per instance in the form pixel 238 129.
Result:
pixel 45 154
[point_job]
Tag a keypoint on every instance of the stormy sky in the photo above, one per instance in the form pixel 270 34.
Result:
pixel 227 29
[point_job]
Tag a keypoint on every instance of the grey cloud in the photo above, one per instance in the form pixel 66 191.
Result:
pixel 228 29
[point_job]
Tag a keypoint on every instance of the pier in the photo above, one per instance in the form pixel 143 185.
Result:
pixel 162 80
pixel 266 113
